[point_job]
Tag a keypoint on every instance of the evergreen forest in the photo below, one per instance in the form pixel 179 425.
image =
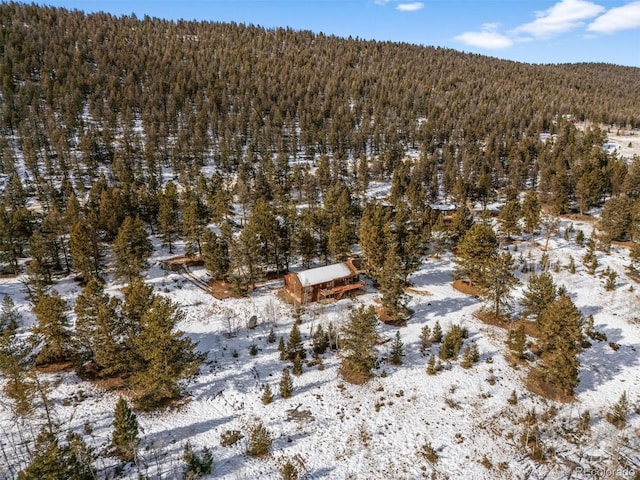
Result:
pixel 258 152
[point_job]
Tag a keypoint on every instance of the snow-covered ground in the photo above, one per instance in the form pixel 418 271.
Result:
pixel 331 429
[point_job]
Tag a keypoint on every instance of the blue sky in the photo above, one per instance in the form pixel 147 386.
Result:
pixel 560 31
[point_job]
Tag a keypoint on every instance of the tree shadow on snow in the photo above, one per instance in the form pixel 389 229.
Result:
pixel 600 362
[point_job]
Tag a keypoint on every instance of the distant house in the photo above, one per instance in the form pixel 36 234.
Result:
pixel 545 136
pixel 445 210
pixel 332 281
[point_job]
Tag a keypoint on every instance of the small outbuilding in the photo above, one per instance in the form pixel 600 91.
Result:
pixel 332 281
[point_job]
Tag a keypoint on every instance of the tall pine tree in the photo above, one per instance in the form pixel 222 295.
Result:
pixel 168 356
pixel 539 294
pixel 560 342
pixel 476 254
pixel 358 345
pixel 168 215
pixel 124 438
pixel 53 329
pixel 496 287
pixel 131 249
pixel 16 361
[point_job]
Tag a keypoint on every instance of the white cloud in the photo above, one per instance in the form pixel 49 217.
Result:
pixel 410 7
pixel 562 17
pixel 485 39
pixel 490 26
pixel 620 18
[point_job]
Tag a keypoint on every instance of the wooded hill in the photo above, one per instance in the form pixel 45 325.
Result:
pixel 230 86
pixel 96 109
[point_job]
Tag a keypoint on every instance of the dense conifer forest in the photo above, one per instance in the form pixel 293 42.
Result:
pixel 258 151
pixel 97 107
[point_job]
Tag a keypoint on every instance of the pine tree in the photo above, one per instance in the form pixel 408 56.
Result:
pixel 517 342
pixel 452 342
pixel 509 218
pixel 194 222
pixel 245 254
pixel 320 340
pixel 462 222
pixel 470 355
pixel 215 254
pixel 433 365
pixel 619 412
pixel 440 237
pixel 259 441
pixel 42 263
pixel 436 334
pixel 297 365
pixel 128 325
pixel 616 218
pixel 167 355
pixel 16 361
pixel 425 338
pixel 109 336
pixel 289 471
pixel 85 250
pixel 372 237
pixel 267 395
pixel 86 309
pixel 282 349
pixel 397 350
pixel 53 329
pixel 294 344
pixel 391 279
pixel 340 240
pixel 412 235
pixel 531 211
pixel 124 438
pixel 131 249
pixel 476 252
pixel 539 294
pixel 286 384
pixel 358 345
pixel 610 279
pixel 496 286
pixel 196 466
pixel 305 244
pixel 168 215
pixel 9 316
pixel 589 259
pixel 53 460
pixel 138 298
pixel 271 338
pixel 560 342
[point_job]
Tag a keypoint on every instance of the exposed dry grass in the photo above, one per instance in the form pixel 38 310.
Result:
pixel 418 292
pixel 55 367
pixel 353 376
pixel 530 328
pixel 388 319
pixel 488 317
pixel 465 287
pixel 222 290
pixel 535 384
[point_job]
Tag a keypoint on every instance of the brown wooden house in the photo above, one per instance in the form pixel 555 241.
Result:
pixel 445 210
pixel 332 281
